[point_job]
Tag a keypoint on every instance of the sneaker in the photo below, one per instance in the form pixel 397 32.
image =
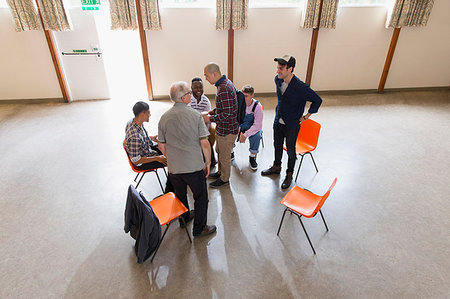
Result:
pixel 232 156
pixel 209 229
pixel 219 183
pixel 253 164
pixel 272 170
pixel 191 216
pixel 287 181
pixel 214 175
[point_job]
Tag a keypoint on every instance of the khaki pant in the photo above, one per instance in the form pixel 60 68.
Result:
pixel 224 147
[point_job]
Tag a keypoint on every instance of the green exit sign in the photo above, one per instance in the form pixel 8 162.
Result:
pixel 90 7
pixel 90 2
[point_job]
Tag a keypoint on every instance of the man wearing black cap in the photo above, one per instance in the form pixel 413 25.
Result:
pixel 292 96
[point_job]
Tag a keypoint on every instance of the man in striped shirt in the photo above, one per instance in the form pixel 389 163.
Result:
pixel 201 103
pixel 225 117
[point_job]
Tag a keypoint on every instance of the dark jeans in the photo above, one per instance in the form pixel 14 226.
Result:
pixel 197 183
pixel 280 133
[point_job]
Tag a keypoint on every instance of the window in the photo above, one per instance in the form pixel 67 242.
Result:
pixel 187 3
pixel 362 2
pixel 275 3
pixel 3 4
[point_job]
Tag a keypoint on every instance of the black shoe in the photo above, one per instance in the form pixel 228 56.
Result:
pixel 191 216
pixel 214 175
pixel 209 229
pixel 287 181
pixel 232 156
pixel 253 164
pixel 272 170
pixel 218 183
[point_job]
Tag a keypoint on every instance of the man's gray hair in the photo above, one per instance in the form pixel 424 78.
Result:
pixel 213 67
pixel 177 90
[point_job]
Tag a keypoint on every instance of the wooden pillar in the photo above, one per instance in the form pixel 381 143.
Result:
pixel 55 59
pixel 312 48
pixel 148 77
pixel 388 61
pixel 231 45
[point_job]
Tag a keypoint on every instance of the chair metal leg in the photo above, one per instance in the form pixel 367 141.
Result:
pixel 185 227
pixel 262 140
pixel 306 233
pixel 136 177
pixel 165 171
pixel 323 219
pixel 282 218
pixel 300 165
pixel 160 241
pixel 317 170
pixel 157 175
pixel 140 179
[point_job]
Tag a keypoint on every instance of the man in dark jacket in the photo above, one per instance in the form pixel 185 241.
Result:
pixel 292 96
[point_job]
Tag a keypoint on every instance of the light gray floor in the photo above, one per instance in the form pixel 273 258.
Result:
pixel 63 183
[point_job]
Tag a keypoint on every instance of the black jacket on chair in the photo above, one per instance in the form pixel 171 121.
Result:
pixel 142 223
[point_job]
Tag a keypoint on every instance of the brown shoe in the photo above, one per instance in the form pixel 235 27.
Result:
pixel 209 229
pixel 272 170
pixel 287 181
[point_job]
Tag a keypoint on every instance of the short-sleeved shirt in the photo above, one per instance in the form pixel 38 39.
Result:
pixel 203 106
pixel 181 129
pixel 137 142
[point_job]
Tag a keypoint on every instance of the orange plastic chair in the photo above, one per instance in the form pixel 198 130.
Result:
pixel 306 141
pixel 168 208
pixel 302 202
pixel 143 172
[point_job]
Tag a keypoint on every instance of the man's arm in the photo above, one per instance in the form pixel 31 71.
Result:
pixel 161 159
pixel 162 148
pixel 206 149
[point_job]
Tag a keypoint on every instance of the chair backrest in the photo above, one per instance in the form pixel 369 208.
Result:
pixel 325 196
pixel 135 169
pixel 309 133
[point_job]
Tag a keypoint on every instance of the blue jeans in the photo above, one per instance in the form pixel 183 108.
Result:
pixel 254 141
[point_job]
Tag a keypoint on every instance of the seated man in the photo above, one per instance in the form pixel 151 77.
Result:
pixel 143 152
pixel 201 103
pixel 251 128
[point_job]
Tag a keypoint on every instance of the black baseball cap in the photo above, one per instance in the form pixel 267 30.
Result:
pixel 286 60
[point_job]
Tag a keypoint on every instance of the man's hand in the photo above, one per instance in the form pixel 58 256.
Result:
pixel 206 118
pixel 305 117
pixel 153 138
pixel 206 170
pixel 161 159
pixel 242 138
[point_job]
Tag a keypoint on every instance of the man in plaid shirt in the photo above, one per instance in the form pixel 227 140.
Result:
pixel 225 117
pixel 143 152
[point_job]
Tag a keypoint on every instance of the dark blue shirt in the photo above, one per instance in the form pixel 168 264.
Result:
pixel 291 104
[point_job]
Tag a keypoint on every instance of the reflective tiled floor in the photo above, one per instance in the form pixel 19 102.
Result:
pixel 63 190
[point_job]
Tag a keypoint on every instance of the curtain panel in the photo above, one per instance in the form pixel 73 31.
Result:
pixel 54 15
pixel 409 13
pixel 239 18
pixel 123 14
pixel 150 15
pixel 328 17
pixel 24 15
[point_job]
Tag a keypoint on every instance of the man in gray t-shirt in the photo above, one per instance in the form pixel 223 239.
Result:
pixel 183 138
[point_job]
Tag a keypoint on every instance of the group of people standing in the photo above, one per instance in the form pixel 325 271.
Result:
pixel 186 134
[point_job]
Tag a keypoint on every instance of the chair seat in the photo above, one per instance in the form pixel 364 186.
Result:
pixel 167 207
pixel 301 148
pixel 301 201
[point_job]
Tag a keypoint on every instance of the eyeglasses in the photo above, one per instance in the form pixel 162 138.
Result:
pixel 187 93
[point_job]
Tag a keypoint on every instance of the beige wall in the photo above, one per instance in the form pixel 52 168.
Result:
pixel 349 57
pixel 26 68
